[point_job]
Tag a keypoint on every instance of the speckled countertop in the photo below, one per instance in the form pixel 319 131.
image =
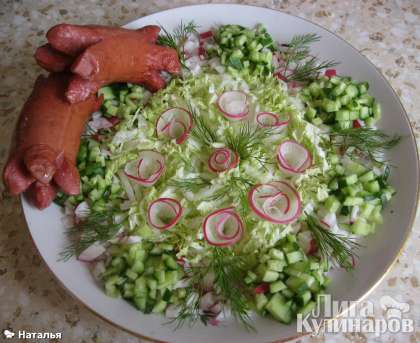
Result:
pixel 387 32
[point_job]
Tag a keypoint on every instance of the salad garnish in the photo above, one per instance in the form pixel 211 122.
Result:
pixel 340 248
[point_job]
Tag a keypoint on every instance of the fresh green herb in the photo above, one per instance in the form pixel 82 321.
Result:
pixel 178 38
pixel 228 269
pixel 192 184
pixel 299 65
pixel 96 227
pixel 201 129
pixel 237 183
pixel 339 247
pixel 246 143
pixel 371 142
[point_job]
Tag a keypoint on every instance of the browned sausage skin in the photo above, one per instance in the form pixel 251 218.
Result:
pixel 47 138
pixel 52 60
pixel 73 39
pixel 67 41
pixel 120 59
pixel 41 195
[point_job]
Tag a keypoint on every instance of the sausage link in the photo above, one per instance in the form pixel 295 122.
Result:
pixel 120 59
pixel 52 60
pixel 40 194
pixel 73 39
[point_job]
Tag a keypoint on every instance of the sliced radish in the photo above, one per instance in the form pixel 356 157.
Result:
pixel 269 119
pixel 222 159
pixel 330 72
pixel 357 124
pixel 307 242
pixel 262 288
pixel 164 213
pixel 206 35
pixel 92 253
pixel 81 211
pixel 293 157
pixel 223 227
pixel 233 104
pixel 277 202
pixel 175 123
pixel 147 169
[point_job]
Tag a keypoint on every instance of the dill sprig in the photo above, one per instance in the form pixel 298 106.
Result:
pixel 201 129
pixel 299 64
pixel 235 183
pixel 192 184
pixel 371 142
pixel 337 246
pixel 96 227
pixel 229 270
pixel 247 141
pixel 178 38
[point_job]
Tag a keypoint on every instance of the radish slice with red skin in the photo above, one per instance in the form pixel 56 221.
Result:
pixel 222 159
pixel 330 73
pixel 164 213
pixel 270 119
pixel 262 288
pixel 147 169
pixel 277 202
pixel 175 123
pixel 293 158
pixel 233 104
pixel 223 227
pixel 205 35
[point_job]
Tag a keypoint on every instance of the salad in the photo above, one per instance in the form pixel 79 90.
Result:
pixel 235 189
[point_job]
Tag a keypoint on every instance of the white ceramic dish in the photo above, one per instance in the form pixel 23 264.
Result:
pixel 380 251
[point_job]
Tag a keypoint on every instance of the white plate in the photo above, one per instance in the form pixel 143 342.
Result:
pixel 376 258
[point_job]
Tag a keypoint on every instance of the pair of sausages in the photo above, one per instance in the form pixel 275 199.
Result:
pixel 99 55
pixel 81 59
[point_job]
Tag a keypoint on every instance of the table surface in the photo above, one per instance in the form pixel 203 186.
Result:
pixel 387 32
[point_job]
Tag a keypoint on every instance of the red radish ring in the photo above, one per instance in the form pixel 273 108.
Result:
pixel 293 158
pixel 205 35
pixel 223 227
pixel 164 213
pixel 233 104
pixel 146 169
pixel 277 202
pixel 270 119
pixel 330 73
pixel 175 123
pixel 222 159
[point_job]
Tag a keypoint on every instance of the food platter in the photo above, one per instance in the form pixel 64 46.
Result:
pixel 380 250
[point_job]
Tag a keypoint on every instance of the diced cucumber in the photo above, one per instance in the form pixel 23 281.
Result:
pixel 296 284
pixel 351 179
pixel 361 227
pixel 332 204
pixel 372 187
pixel 353 201
pixel 159 307
pixel 369 176
pixel 279 309
pixel 294 256
pixel 276 265
pixel 307 308
pixel 140 302
pixel 276 254
pixel 277 286
pixel 270 276
pixel 260 301
pixel 304 298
